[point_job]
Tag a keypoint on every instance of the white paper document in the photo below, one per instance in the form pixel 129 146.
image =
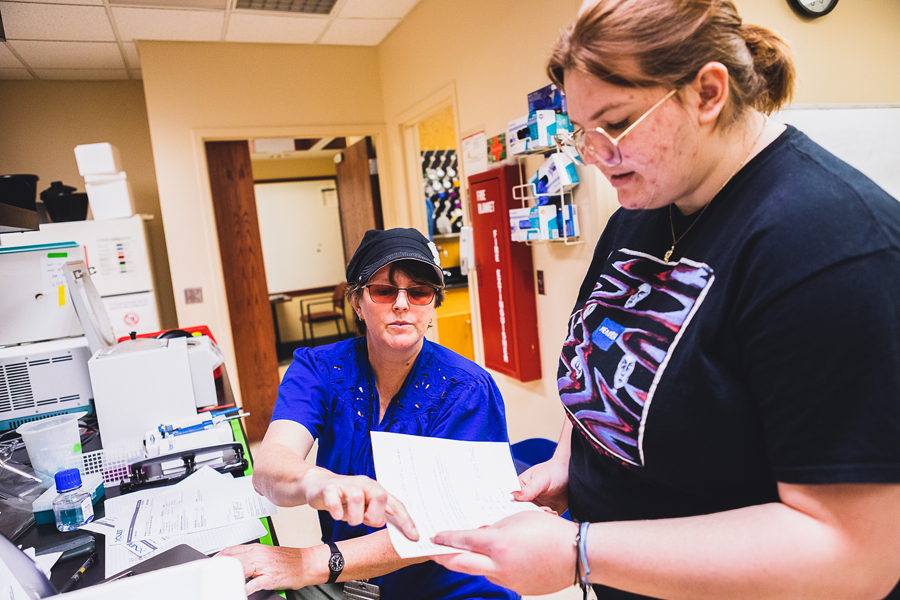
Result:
pixel 176 511
pixel 445 485
pixel 229 525
pixel 119 557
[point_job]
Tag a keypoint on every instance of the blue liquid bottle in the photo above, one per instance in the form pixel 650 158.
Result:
pixel 72 507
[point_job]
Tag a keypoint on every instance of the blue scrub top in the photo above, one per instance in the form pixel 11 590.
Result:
pixel 330 390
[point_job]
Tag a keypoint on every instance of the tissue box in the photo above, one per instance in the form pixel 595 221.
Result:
pixel 533 223
pixel 97 159
pixel 43 506
pixel 567 221
pixel 520 133
pixel 555 176
pixel 109 196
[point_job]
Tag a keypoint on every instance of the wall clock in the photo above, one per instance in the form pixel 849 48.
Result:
pixel 813 8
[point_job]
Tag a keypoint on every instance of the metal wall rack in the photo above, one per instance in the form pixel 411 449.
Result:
pixel 527 195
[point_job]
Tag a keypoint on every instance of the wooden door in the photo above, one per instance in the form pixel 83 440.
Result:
pixel 359 196
pixel 252 329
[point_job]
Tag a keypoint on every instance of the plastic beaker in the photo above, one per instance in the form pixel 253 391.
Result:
pixel 51 441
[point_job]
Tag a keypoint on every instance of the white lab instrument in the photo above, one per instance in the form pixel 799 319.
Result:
pixel 43 354
pixel 138 384
pixel 117 254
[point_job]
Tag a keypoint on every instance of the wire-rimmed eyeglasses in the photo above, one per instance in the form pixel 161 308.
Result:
pixel 382 293
pixel 586 145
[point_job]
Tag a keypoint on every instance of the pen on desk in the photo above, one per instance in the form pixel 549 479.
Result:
pixel 77 575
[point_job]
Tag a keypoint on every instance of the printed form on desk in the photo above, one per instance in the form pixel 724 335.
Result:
pixel 208 511
pixel 445 485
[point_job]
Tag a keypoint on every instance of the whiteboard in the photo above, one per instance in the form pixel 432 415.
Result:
pixel 865 136
pixel 300 229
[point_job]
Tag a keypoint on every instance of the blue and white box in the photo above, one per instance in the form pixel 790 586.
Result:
pixel 548 124
pixel 548 97
pixel 555 176
pixel 534 223
pixel 521 133
pixel 568 221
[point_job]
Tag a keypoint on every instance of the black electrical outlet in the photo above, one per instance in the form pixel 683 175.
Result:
pixel 540 280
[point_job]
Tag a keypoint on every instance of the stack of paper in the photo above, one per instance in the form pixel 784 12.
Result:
pixel 208 511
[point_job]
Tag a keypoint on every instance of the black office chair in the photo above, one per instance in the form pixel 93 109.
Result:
pixel 336 313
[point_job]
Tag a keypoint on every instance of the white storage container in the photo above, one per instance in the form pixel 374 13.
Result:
pixel 109 196
pixel 97 159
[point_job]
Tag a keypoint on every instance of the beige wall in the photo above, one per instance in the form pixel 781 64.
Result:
pixel 41 122
pixel 216 91
pixel 491 54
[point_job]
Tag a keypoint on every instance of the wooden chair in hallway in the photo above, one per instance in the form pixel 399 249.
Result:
pixel 336 313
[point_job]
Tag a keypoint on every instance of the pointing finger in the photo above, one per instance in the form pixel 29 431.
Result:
pixel 396 513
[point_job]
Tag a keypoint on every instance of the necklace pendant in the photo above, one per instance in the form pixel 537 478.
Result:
pixel 668 254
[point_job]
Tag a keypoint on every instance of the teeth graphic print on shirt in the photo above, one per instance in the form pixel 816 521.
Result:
pixel 619 343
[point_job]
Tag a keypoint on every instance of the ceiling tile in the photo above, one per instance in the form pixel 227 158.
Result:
pixel 207 4
pixel 131 54
pixel 358 32
pixel 163 24
pixel 57 22
pixel 8 60
pixel 92 2
pixel 14 74
pixel 275 29
pixel 92 74
pixel 70 55
pixel 376 9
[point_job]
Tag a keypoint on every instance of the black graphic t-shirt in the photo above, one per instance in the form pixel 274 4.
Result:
pixel 767 350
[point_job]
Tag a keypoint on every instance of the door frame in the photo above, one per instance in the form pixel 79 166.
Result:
pixel 216 297
pixel 408 132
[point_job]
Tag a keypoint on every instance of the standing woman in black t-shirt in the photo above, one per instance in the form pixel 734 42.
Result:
pixel 731 373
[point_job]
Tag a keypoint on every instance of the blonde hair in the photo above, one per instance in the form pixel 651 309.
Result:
pixel 644 43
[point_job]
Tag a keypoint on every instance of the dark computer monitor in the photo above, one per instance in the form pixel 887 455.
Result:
pixel 26 572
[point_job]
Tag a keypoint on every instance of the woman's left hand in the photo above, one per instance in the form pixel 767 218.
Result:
pixel 269 567
pixel 530 552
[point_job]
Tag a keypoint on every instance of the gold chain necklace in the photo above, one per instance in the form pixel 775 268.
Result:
pixel 668 254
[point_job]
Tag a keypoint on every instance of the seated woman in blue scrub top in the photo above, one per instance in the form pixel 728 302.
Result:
pixel 392 379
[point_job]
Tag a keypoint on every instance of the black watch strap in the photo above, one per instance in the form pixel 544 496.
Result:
pixel 335 563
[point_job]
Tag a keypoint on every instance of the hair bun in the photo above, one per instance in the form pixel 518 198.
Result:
pixel 773 64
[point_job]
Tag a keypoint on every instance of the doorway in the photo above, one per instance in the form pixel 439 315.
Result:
pixel 438 188
pixel 253 316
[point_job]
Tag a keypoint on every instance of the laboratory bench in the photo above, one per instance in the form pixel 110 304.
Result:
pixel 39 536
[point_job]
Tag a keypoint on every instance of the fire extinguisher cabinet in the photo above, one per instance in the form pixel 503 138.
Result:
pixel 505 278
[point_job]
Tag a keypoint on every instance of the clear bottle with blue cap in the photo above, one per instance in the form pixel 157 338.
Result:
pixel 72 507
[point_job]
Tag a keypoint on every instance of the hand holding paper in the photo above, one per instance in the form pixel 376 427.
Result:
pixel 445 485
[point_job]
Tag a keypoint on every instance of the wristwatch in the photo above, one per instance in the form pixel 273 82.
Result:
pixel 335 563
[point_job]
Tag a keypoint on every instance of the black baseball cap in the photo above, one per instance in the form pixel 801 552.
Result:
pixel 382 247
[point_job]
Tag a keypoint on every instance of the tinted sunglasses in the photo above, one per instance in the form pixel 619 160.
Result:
pixel 382 293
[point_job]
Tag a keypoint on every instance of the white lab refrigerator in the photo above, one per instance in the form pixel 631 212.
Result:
pixel 116 253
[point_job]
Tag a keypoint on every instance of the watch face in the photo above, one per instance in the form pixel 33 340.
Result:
pixel 336 563
pixel 814 8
